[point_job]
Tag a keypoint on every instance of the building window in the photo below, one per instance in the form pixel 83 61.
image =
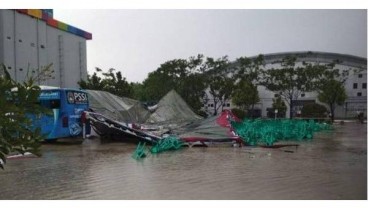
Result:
pixel 9 67
pixel 355 85
pixel 32 44
pixel 211 105
pixel 359 94
pixel 20 69
pixel 20 40
pixel 42 46
pixel 228 105
pixel 364 85
pixel 276 95
pixel 360 75
pixel 8 37
pixel 302 95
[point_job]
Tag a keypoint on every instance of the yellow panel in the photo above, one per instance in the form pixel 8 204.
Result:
pixel 35 13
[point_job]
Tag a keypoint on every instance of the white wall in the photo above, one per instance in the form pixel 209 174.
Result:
pixel 33 44
pixel 354 103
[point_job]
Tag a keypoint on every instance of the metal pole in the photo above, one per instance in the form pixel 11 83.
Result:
pixel 84 130
pixel 276 111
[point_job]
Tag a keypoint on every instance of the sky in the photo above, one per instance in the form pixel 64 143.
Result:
pixel 136 42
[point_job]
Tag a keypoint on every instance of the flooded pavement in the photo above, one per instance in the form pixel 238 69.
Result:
pixel 331 166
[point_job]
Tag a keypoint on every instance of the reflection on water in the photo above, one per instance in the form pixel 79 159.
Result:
pixel 331 166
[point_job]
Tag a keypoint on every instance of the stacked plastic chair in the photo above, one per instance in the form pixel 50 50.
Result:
pixel 267 132
pixel 165 144
pixel 140 151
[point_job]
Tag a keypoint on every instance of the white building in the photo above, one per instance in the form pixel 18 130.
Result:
pixel 31 39
pixel 355 85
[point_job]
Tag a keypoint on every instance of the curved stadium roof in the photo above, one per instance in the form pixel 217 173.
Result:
pixel 316 56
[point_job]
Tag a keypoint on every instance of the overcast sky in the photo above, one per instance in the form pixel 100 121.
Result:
pixel 136 42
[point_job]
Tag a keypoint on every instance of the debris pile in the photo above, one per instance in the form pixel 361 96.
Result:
pixel 140 151
pixel 167 143
pixel 267 132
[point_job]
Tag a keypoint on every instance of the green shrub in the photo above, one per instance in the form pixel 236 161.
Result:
pixel 314 110
pixel 241 114
pixel 17 101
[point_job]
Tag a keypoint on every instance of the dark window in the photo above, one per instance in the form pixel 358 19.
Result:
pixel 20 69
pixel 9 67
pixel 50 104
pixel 355 85
pixel 42 46
pixel 55 103
pixel 360 75
pixel 276 95
pixel 228 105
pixel 302 95
pixel 359 94
pixel 8 37
pixel 364 85
pixel 20 40
pixel 211 105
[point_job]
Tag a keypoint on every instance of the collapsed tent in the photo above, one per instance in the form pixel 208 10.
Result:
pixel 211 130
pixel 172 109
pixel 112 129
pixel 117 108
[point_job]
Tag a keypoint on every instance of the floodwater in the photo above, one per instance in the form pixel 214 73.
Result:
pixel 331 166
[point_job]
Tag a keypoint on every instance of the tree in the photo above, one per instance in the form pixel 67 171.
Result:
pixel 330 86
pixel 291 80
pixel 18 101
pixel 279 104
pixel 245 96
pixel 109 81
pixel 220 85
pixel 184 76
pixel 116 84
pixel 332 92
pixel 137 90
pixel 93 82
pixel 247 73
pixel 249 69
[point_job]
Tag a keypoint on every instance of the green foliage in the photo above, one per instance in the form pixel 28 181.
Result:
pixel 111 81
pixel 331 86
pixel 332 92
pixel 245 95
pixel 249 69
pixel 202 113
pixel 18 101
pixel 313 110
pixel 290 80
pixel 137 91
pixel 279 104
pixel 185 76
pixel 220 85
pixel 241 114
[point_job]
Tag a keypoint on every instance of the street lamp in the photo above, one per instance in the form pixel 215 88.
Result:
pixel 276 111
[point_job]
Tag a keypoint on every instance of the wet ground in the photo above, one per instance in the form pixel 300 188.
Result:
pixel 331 166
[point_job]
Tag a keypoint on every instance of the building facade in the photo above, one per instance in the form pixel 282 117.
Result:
pixel 31 39
pixel 355 85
